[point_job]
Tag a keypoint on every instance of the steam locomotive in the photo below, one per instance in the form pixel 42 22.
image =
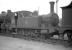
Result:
pixel 40 25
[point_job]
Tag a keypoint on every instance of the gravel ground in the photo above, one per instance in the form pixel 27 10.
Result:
pixel 9 43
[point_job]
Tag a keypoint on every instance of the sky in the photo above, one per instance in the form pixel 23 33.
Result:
pixel 42 6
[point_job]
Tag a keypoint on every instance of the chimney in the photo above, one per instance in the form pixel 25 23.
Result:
pixel 52 7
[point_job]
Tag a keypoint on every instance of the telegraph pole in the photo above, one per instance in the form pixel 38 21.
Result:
pixel 57 6
pixel 38 9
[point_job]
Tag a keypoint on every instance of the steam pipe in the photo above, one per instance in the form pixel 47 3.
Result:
pixel 57 6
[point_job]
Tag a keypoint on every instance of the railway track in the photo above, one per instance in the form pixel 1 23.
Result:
pixel 41 39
